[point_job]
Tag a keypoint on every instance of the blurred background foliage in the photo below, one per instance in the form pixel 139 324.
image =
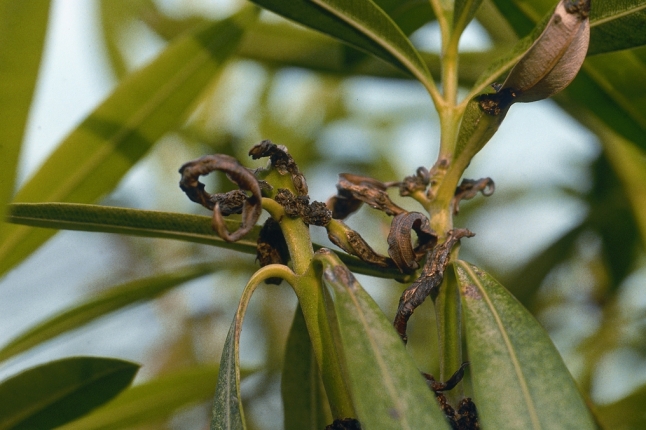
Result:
pixel 565 230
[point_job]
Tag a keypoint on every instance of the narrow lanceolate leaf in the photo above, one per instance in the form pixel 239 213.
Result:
pixel 519 379
pixel 152 402
pixel 227 407
pixel 304 400
pixel 113 299
pixel 463 13
pixel 58 392
pixel 133 222
pixel 617 25
pixel 361 24
pixel 22 35
pixel 386 387
pixel 136 222
pixel 146 105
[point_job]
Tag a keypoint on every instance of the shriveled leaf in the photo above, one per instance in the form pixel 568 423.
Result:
pixel 361 24
pixel 58 392
pixel 614 25
pixel 387 389
pixel 22 35
pixel 111 300
pixel 153 401
pixel 145 223
pixel 304 400
pixel 146 105
pixel 519 379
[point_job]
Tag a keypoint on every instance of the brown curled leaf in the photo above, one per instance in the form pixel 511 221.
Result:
pixel 469 188
pixel 400 248
pixel 429 281
pixel 354 190
pixel 282 162
pixel 251 208
pixel 271 247
pixel 351 242
pixel 412 184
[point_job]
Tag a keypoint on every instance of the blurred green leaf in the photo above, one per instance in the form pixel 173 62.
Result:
pixel 304 400
pixel 111 300
pixel 625 414
pixel 22 36
pixel 616 25
pixel 361 24
pixel 145 223
pixel 58 392
pixel 463 13
pixel 153 401
pixel 519 379
pixel 387 389
pixel 146 105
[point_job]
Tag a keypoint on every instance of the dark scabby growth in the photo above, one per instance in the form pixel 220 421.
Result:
pixel 430 279
pixel 315 213
pixel 344 424
pixel 466 417
pixel 282 162
pixel 412 184
pixel 353 190
pixel 400 247
pixel 251 207
pixel 497 103
pixel 271 247
pixel 469 188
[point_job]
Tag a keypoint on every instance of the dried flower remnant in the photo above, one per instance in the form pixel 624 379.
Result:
pixel 469 188
pixel 243 177
pixel 430 279
pixel 353 190
pixel 282 161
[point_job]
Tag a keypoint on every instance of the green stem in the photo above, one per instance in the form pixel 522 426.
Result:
pixel 449 327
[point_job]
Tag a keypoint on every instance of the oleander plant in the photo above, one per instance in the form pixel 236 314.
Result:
pixel 438 339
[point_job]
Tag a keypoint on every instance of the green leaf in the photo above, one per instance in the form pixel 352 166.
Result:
pixel 133 222
pixel 387 389
pixel 625 414
pixel 22 35
pixel 99 305
pixel 359 23
pixel 58 392
pixel 153 401
pixel 616 25
pixel 145 223
pixel 463 13
pixel 304 400
pixel 519 379
pixel 146 105
pixel 227 407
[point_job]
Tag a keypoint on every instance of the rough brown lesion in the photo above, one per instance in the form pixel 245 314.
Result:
pixel 466 415
pixel 429 281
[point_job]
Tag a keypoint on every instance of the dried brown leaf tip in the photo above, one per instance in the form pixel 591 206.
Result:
pixel 282 162
pixel 469 188
pixel 428 282
pixel 353 190
pixel 400 246
pixel 224 203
